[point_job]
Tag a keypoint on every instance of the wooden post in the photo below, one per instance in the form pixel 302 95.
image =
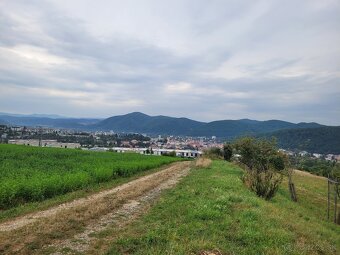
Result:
pixel 292 189
pixel 335 201
pixel 328 195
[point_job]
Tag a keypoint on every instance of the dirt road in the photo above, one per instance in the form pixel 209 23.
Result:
pixel 71 228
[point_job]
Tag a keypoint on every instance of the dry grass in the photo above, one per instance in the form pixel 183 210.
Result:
pixel 304 173
pixel 203 162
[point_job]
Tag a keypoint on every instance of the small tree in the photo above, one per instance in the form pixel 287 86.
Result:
pixel 263 164
pixel 227 151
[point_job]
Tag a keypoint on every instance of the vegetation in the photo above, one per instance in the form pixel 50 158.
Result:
pixel 34 174
pixel 320 166
pixel 213 153
pixel 170 154
pixel 211 210
pixel 315 140
pixel 227 151
pixel 263 165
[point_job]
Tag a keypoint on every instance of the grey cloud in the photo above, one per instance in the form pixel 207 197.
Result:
pixel 121 68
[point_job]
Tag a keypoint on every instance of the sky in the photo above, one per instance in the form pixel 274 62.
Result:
pixel 205 60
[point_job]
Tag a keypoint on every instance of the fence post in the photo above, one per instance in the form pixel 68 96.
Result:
pixel 335 201
pixel 328 196
pixel 291 188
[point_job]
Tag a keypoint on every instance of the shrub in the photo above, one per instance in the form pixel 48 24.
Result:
pixel 227 151
pixel 214 153
pixel 263 163
pixel 264 184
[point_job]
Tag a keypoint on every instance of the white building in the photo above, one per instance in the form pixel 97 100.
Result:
pixel 44 143
pixel 157 152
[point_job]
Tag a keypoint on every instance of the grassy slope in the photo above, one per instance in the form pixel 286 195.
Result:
pixel 211 209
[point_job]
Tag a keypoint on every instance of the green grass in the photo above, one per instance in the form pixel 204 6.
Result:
pixel 212 209
pixel 30 207
pixel 34 174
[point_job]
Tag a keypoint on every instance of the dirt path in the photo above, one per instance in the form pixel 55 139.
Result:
pixel 72 226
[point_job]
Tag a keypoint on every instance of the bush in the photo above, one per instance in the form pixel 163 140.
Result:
pixel 227 151
pixel 263 163
pixel 264 184
pixel 214 153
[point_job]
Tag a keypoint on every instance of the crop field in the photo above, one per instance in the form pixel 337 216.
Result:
pixel 34 174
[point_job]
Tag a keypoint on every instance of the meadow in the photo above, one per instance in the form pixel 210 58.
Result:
pixel 212 212
pixel 34 174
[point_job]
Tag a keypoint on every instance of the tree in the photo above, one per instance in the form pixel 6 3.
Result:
pixel 263 164
pixel 227 151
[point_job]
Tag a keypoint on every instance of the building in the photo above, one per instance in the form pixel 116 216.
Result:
pixel 155 151
pixel 44 143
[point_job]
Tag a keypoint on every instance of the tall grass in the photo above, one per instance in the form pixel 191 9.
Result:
pixel 34 174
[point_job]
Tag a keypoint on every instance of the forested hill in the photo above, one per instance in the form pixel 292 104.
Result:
pixel 142 123
pixel 311 137
pixel 319 140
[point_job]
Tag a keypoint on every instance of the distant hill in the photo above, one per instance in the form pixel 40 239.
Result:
pixel 142 123
pixel 312 137
pixel 138 122
pixel 71 123
pixel 234 128
pixel 322 140
pixel 3 122
pixel 53 116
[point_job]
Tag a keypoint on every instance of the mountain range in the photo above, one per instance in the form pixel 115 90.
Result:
pixel 142 123
pixel 138 122
pixel 306 136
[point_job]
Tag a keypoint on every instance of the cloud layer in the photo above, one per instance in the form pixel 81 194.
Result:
pixel 206 61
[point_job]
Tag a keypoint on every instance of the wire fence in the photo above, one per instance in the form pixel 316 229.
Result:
pixel 332 200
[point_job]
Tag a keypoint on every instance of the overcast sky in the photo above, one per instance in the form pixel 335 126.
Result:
pixel 205 60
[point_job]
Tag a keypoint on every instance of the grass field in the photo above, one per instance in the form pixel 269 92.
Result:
pixel 212 210
pixel 35 174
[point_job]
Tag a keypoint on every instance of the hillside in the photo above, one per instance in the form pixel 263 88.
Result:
pixel 184 208
pixel 319 140
pixel 142 123
pixel 311 137
pixel 3 122
pixel 72 123
pixel 137 122
pixel 195 218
